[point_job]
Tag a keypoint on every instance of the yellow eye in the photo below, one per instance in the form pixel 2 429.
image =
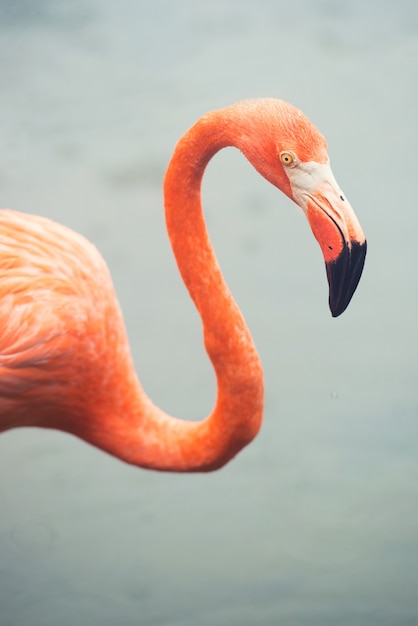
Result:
pixel 287 158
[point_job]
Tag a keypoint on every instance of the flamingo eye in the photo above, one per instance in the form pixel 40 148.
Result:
pixel 287 158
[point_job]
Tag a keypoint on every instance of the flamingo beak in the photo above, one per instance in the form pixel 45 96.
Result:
pixel 342 241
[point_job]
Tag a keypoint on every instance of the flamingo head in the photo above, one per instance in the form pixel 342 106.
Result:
pixel 290 152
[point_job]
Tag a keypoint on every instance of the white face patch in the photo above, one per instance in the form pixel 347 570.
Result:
pixel 314 182
pixel 309 179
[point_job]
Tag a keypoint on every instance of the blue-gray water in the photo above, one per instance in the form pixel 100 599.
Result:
pixel 316 522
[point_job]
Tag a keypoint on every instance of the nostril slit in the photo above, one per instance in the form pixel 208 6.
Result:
pixel 342 198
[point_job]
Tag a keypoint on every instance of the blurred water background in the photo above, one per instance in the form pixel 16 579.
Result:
pixel 316 522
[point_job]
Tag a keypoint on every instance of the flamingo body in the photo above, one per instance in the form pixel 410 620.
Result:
pixel 65 361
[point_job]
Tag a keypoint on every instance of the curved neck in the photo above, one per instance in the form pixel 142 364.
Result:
pixel 239 406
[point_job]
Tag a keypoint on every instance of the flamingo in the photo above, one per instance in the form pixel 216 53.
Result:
pixel 65 361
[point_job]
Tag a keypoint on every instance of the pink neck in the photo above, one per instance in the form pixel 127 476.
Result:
pixel 237 415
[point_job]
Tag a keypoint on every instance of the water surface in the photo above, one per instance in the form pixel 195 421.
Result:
pixel 315 523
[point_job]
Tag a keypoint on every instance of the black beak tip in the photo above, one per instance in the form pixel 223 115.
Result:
pixel 343 276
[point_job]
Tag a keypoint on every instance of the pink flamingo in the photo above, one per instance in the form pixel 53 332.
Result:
pixel 65 361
